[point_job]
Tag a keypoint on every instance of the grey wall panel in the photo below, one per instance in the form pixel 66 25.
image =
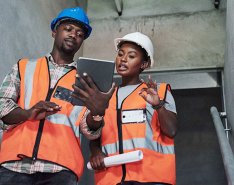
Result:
pixel 106 9
pixel 229 67
pixel 180 40
pixel 185 79
pixel 25 29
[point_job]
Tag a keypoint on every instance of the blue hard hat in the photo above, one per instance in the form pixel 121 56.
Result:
pixel 75 14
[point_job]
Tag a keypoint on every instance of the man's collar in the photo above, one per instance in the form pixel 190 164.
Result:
pixel 50 59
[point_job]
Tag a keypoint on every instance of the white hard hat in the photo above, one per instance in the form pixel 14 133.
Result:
pixel 140 39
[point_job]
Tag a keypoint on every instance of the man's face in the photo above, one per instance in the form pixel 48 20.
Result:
pixel 68 37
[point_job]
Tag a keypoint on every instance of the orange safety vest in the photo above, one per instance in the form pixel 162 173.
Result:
pixel 55 138
pixel 158 164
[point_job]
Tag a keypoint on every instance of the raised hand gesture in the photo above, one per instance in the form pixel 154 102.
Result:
pixel 150 94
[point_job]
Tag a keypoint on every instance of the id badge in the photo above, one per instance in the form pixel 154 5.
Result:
pixel 133 116
pixel 63 94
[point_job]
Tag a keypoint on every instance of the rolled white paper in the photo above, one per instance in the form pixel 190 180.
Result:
pixel 119 159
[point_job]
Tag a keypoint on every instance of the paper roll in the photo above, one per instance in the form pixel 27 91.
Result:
pixel 115 160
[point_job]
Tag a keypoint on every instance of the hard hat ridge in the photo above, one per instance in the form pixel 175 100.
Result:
pixel 76 14
pixel 141 40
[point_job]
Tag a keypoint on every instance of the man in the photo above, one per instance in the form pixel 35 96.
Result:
pixel 41 143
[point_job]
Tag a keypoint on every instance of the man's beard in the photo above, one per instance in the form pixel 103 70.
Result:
pixel 69 51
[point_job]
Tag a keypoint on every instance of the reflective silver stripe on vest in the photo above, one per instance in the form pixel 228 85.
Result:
pixel 111 148
pixel 28 82
pixel 138 143
pixel 68 121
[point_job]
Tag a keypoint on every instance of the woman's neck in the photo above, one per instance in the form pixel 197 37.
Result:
pixel 131 81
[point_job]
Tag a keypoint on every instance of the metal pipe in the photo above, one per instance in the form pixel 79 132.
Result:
pixel 224 105
pixel 226 151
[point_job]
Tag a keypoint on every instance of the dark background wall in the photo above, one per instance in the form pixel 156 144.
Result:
pixel 199 160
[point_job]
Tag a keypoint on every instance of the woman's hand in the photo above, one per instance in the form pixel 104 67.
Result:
pixel 150 94
pixel 97 156
pixel 97 161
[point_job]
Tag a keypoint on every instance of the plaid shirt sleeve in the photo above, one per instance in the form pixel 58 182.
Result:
pixel 9 92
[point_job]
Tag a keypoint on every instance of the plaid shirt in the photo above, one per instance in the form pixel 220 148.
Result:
pixel 9 94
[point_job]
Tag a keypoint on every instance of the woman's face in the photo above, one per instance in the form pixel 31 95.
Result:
pixel 129 60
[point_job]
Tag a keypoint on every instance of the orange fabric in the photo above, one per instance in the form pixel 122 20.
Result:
pixel 58 143
pixel 155 166
pixel 162 92
pixel 40 82
pixel 22 65
pixel 153 170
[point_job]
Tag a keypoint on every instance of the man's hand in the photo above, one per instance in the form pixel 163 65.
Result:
pixel 95 100
pixel 39 111
pixel 42 109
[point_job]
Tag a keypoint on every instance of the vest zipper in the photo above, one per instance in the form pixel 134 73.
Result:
pixel 120 133
pixel 40 129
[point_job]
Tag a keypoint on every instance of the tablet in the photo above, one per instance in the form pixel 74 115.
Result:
pixel 101 71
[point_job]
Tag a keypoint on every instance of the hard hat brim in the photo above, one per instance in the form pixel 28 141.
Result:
pixel 56 22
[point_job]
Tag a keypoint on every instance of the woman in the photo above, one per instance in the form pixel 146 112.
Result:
pixel 140 116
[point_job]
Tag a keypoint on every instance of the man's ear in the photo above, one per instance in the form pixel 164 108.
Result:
pixel 54 33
